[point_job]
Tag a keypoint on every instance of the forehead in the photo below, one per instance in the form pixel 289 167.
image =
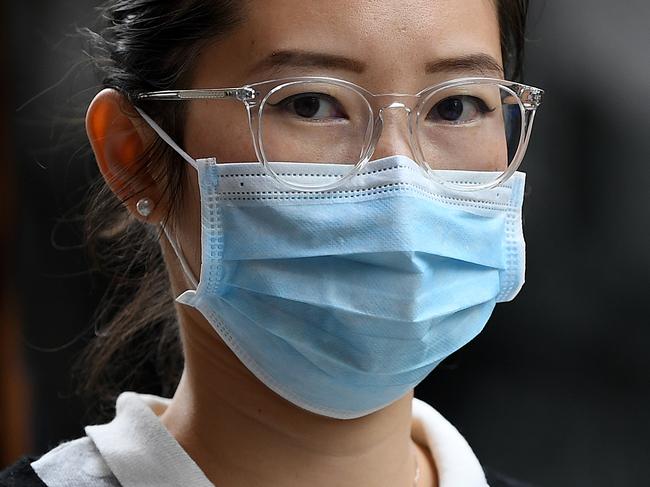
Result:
pixel 393 39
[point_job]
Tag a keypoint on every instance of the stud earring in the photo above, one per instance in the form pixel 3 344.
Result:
pixel 145 207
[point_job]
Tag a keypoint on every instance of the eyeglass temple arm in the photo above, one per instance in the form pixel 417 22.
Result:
pixel 241 94
pixel 531 97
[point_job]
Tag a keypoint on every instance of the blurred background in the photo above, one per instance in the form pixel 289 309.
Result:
pixel 555 391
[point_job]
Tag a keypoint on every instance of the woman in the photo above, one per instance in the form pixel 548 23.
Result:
pixel 335 188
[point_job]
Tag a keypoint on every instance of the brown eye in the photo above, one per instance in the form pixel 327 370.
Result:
pixel 307 106
pixel 458 109
pixel 313 106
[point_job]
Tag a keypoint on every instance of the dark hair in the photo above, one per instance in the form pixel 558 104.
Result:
pixel 512 23
pixel 152 45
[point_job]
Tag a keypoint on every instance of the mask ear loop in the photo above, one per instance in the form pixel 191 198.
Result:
pixel 187 270
pixel 163 135
pixel 181 257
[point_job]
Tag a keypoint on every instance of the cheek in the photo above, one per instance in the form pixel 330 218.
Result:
pixel 218 128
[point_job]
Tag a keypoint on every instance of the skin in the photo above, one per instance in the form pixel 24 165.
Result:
pixel 237 430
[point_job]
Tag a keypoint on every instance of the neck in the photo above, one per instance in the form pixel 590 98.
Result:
pixel 239 432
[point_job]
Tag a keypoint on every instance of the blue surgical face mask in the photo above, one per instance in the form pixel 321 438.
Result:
pixel 342 301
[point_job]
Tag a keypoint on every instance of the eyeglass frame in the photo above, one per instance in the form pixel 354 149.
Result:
pixel 529 99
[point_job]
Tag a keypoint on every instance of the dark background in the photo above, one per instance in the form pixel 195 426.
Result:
pixel 555 391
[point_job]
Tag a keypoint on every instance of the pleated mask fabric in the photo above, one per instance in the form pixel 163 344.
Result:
pixel 341 301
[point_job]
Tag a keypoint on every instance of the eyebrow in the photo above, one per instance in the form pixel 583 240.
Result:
pixel 472 63
pixel 308 59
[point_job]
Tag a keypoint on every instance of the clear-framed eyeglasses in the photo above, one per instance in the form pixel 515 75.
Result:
pixel 466 124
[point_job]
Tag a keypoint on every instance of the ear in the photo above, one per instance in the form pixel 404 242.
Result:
pixel 119 138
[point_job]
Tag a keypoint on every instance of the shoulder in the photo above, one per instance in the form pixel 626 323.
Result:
pixel 75 463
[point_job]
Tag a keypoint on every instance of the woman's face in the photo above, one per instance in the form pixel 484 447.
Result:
pixel 389 46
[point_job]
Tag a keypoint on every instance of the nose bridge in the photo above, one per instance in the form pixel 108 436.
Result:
pixel 394 101
pixel 392 134
pixel 395 105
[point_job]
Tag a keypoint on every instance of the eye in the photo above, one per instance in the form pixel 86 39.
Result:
pixel 458 109
pixel 312 106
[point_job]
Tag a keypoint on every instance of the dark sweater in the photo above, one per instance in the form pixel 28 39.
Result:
pixel 21 474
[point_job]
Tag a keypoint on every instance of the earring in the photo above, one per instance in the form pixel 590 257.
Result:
pixel 145 207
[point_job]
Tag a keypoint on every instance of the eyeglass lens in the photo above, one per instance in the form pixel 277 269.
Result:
pixel 472 127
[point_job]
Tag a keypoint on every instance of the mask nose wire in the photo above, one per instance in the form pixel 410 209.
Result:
pixel 180 255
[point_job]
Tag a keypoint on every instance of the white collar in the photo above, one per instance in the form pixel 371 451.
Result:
pixel 136 442
pixel 455 461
